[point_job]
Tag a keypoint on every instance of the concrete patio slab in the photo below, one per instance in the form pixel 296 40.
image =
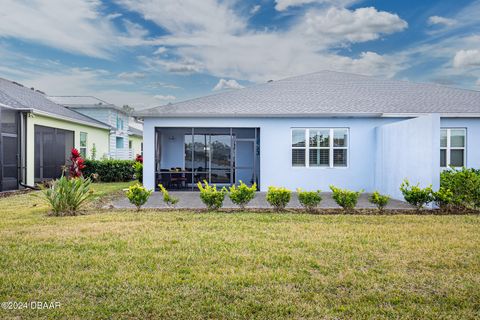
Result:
pixel 191 200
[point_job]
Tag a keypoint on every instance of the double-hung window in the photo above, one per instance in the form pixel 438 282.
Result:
pixel 320 147
pixel 83 144
pixel 119 122
pixel 452 147
pixel 119 143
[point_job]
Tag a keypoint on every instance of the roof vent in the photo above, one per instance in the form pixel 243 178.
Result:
pixel 269 81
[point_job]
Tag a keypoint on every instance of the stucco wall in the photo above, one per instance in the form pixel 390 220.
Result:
pixel 95 135
pixel 473 137
pixel 408 149
pixel 275 150
pixel 136 145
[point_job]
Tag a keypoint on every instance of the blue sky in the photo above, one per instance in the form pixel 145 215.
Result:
pixel 150 52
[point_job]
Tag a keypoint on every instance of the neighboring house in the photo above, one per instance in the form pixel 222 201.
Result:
pixel 135 142
pixel 37 136
pixel 121 137
pixel 311 131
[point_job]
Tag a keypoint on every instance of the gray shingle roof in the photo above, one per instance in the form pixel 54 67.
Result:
pixel 327 93
pixel 83 102
pixel 18 97
pixel 135 131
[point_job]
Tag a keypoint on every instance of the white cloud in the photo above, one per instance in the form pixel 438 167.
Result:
pixel 441 21
pixel 160 51
pixel 113 16
pixel 217 41
pixel 188 16
pixel 158 84
pixel 227 84
pixel 131 75
pixel 255 9
pixel 135 30
pixel 282 5
pixel 164 98
pixel 467 58
pixel 358 25
pixel 75 26
pixel 57 79
pixel 185 66
pixel 182 66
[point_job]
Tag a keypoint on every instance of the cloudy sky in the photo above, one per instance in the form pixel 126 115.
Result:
pixel 150 52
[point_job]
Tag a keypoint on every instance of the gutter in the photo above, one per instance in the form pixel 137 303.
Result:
pixel 12 108
pixel 442 115
pixel 261 115
pixel 308 115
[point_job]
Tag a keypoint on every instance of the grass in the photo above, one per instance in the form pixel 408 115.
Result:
pixel 121 264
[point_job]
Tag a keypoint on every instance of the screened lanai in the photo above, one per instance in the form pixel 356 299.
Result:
pixel 221 156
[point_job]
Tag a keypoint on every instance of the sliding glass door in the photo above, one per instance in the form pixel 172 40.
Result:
pixel 245 161
pixel 220 159
pixel 221 156
pixel 208 156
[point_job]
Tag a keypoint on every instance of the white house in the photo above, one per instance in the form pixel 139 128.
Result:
pixel 124 143
pixel 310 131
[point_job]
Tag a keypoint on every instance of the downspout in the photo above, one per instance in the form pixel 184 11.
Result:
pixel 23 151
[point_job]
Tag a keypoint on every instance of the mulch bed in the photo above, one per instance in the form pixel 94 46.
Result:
pixel 6 194
pixel 322 211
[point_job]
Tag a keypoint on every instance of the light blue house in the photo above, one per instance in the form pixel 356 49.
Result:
pixel 314 130
pixel 124 141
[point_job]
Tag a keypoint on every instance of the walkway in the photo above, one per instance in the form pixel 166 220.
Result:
pixel 191 200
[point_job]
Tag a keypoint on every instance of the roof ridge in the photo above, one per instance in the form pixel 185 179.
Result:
pixel 82 96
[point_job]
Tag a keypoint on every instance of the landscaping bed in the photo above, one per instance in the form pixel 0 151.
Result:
pixel 326 211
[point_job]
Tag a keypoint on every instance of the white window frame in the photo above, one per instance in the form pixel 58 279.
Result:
pixel 330 147
pixel 448 148
pixel 86 143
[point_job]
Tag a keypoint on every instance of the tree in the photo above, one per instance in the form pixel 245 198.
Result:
pixel 127 109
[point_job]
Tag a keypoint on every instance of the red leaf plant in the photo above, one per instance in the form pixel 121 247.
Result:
pixel 139 158
pixel 77 164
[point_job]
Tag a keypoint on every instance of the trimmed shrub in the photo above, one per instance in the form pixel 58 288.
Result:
pixel 278 197
pixel 210 196
pixel 167 198
pixel 415 195
pixel 66 196
pixel 464 184
pixel 379 200
pixel 138 195
pixel 443 198
pixel 242 194
pixel 309 200
pixel 346 199
pixel 110 170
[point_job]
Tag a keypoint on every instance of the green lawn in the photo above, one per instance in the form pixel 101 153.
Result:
pixel 117 264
